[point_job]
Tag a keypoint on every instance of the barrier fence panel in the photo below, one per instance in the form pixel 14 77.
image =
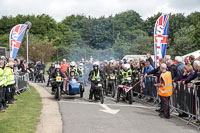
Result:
pixel 22 82
pixel 145 86
pixel 184 100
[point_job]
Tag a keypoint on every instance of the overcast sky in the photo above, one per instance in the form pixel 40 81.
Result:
pixel 59 9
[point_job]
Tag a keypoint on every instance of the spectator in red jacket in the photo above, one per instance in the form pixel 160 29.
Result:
pixel 64 65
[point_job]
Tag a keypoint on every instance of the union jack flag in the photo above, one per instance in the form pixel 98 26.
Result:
pixel 16 37
pixel 160 37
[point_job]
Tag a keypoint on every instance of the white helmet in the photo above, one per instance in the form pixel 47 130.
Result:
pixel 81 64
pixel 96 63
pixel 127 66
pixel 111 61
pixel 57 66
pixel 72 63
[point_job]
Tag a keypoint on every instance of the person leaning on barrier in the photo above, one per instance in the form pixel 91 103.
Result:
pixel 10 78
pixel 2 83
pixel 180 68
pixel 187 75
pixel 156 72
pixel 196 70
pixel 21 66
pixel 192 59
pixel 148 88
pixel 172 68
pixel 165 91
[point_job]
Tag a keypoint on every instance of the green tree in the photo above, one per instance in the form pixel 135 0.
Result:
pixel 183 41
pixel 142 45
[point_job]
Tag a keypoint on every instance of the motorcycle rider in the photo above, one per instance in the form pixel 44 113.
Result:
pixel 81 68
pixel 72 76
pixel 38 68
pixel 73 67
pixel 50 71
pixel 109 72
pixel 119 72
pixel 95 73
pixel 126 73
pixel 56 73
pixel 135 76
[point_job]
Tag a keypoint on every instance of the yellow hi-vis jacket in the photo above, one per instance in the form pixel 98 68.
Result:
pixel 166 90
pixel 126 75
pixel 10 78
pixel 2 77
pixel 96 76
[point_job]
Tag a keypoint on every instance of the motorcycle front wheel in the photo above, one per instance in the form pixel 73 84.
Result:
pixel 101 96
pixel 58 94
pixel 118 96
pixel 130 97
pixel 113 91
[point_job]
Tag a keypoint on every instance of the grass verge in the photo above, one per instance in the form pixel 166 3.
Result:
pixel 24 115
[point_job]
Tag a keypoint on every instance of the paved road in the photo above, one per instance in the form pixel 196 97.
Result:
pixel 80 116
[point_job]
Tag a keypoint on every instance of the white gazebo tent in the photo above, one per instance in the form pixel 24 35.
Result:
pixel 195 53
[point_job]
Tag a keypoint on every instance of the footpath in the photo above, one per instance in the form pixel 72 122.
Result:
pixel 50 118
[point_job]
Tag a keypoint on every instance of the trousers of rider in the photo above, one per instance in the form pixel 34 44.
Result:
pixel 91 90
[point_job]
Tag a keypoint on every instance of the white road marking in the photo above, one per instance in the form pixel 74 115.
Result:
pixel 109 110
pixel 117 105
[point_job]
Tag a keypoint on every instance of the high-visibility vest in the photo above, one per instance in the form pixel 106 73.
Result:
pixel 96 76
pixel 2 77
pixel 126 75
pixel 81 69
pixel 166 90
pixel 10 78
pixel 75 69
pixel 134 71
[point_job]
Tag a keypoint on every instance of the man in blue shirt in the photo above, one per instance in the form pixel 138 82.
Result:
pixel 148 89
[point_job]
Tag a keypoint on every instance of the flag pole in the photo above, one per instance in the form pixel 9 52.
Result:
pixel 27 44
pixel 28 27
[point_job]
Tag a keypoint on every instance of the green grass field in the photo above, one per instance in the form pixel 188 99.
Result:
pixel 22 116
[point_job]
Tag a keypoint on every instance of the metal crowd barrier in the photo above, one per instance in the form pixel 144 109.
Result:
pixel 145 86
pixel 185 98
pixel 22 82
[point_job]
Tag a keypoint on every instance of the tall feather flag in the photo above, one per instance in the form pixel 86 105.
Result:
pixel 15 39
pixel 160 37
